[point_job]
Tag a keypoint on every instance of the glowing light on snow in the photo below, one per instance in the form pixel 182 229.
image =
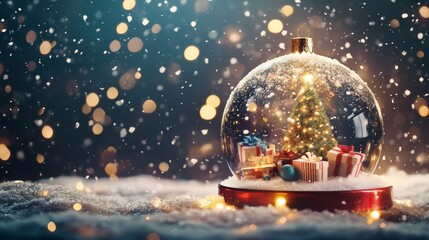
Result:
pixel 191 53
pixel 4 152
pixel 45 47
pixel 135 45
pixel 115 45
pixel 77 206
pixel 280 202
pixel 137 75
pixel 163 167
pixel 275 26
pixel 80 186
pixel 112 93
pixel 424 11
pixel 375 214
pixel 149 106
pixel 92 99
pixel 213 101
pixel 252 107
pixel 122 28
pixel 128 4
pixel 51 226
pixel 111 169
pixel 207 112
pixel 97 129
pixel 47 132
pixel 153 236
pixel 287 10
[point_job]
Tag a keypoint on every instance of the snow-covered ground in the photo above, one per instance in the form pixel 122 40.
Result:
pixel 144 207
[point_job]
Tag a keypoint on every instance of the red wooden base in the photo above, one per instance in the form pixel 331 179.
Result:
pixel 353 200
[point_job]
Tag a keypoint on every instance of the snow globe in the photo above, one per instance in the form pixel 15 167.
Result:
pixel 303 131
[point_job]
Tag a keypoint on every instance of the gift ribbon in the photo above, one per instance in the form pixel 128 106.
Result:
pixel 254 141
pixel 311 157
pixel 286 154
pixel 346 148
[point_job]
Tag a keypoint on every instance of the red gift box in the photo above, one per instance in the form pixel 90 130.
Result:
pixel 344 162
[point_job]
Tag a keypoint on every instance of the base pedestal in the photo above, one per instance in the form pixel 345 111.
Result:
pixel 351 200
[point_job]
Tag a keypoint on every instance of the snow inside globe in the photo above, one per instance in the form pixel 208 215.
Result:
pixel 302 122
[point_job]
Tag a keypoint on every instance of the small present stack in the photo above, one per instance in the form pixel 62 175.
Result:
pixel 260 160
pixel 256 158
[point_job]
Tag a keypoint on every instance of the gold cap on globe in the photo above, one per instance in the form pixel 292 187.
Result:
pixel 302 44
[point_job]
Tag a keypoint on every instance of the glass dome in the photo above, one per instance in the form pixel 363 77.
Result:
pixel 269 105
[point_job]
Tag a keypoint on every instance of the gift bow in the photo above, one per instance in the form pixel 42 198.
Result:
pixel 286 154
pixel 254 141
pixel 311 157
pixel 346 148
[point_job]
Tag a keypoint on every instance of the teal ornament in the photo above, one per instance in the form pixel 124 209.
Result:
pixel 266 178
pixel 288 173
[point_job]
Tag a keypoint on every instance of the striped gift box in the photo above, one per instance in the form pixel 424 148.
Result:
pixel 311 171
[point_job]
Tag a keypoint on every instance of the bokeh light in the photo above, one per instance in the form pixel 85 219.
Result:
pixel 92 100
pixel 47 132
pixel 207 112
pixel 275 26
pixel 45 47
pixel 4 152
pixel 112 93
pixel 163 167
pixel 31 36
pixel 115 45
pixel 128 4
pixel 122 28
pixel 97 129
pixel 40 158
pixel 149 106
pixel 51 226
pixel 111 169
pixel 213 100
pixel 394 23
pixel 287 10
pixel 77 206
pixel 191 53
pixel 135 45
pixel 424 11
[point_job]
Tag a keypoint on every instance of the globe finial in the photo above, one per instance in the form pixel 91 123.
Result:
pixel 302 44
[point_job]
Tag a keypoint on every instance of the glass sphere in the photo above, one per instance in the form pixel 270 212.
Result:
pixel 267 102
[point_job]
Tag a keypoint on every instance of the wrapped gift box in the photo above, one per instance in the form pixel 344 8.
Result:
pixel 261 160
pixel 311 171
pixel 343 162
pixel 246 152
pixel 284 157
pixel 271 150
pixel 259 171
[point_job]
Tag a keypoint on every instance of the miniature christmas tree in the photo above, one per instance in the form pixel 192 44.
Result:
pixel 309 129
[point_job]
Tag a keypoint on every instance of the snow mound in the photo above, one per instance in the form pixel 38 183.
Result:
pixel 144 207
pixel 333 184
